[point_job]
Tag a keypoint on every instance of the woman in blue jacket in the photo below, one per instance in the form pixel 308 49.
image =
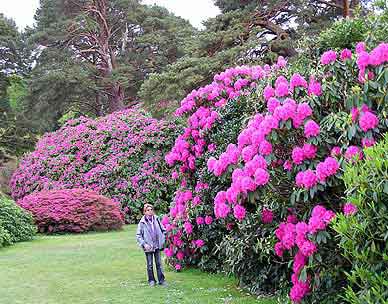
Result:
pixel 150 236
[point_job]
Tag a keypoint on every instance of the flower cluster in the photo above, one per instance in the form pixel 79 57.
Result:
pixel 290 132
pixel 253 146
pixel 119 156
pixel 325 169
pixel 298 235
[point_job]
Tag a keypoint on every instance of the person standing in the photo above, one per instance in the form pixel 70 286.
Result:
pixel 150 236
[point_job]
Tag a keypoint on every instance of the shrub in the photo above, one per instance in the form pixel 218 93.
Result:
pixel 72 210
pixel 363 226
pixel 16 225
pixel 119 156
pixel 292 143
pixel 343 34
pixel 247 253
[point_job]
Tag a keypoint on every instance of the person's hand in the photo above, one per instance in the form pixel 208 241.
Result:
pixel 147 247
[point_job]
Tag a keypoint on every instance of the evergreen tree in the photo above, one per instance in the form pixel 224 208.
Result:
pixel 98 52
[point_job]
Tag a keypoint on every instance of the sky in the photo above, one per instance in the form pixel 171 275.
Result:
pixel 22 11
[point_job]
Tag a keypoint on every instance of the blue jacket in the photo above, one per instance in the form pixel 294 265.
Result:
pixel 144 233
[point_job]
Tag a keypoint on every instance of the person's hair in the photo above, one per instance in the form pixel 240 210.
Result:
pixel 147 206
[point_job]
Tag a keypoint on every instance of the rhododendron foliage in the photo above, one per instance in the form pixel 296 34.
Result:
pixel 119 156
pixel 291 140
pixel 72 210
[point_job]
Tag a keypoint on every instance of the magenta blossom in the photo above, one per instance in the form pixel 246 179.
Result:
pixel 311 128
pixel 239 212
pixel 266 216
pixel 328 57
pixel 368 121
pixel 349 209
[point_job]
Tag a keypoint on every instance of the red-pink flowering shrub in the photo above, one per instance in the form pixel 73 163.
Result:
pixel 72 210
pixel 119 156
pixel 282 149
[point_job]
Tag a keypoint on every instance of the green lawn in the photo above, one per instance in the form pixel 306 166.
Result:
pixel 101 268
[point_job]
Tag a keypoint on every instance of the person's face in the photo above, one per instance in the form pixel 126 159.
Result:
pixel 149 211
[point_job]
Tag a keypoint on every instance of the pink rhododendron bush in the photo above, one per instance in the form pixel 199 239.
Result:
pixel 72 210
pixel 119 156
pixel 260 165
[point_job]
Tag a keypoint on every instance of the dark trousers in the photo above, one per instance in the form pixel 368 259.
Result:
pixel 150 266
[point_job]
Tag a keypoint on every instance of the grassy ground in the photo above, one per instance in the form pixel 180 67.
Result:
pixel 101 268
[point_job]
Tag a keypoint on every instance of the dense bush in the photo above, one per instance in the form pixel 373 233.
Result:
pixel 119 156
pixel 72 210
pixel 283 158
pixel 16 225
pixel 344 33
pixel 247 253
pixel 363 226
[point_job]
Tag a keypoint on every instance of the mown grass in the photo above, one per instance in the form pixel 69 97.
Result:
pixel 101 268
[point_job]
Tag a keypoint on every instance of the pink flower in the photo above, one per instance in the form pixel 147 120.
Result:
pixel 272 104
pixel 328 57
pixel 298 291
pixel 346 54
pixel 362 60
pixel 200 220
pixel 303 111
pixel 349 209
pixel 309 151
pixel 261 177
pixel 309 179
pixel 168 252
pixel 353 152
pixel 335 151
pixel 196 201
pixel 229 226
pixel 180 255
pixel 299 262
pixel 332 166
pixel 247 184
pixel 208 219
pixel 199 243
pixel 311 128
pixel 188 227
pixel 292 219
pixel 178 267
pixel 299 179
pixel 266 216
pixel 211 147
pixel 279 249
pixel 308 248
pixel 360 47
pixel 220 197
pixel 211 163
pixel 174 175
pixel 297 155
pixel 314 88
pixel 321 172
pixel 354 112
pixel 287 165
pixel 281 63
pixel 368 121
pixel 165 220
pixel 221 210
pixel 297 81
pixel 265 148
pixel 281 89
pixel 268 92
pixel 239 212
pixel 367 142
pixel 248 152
